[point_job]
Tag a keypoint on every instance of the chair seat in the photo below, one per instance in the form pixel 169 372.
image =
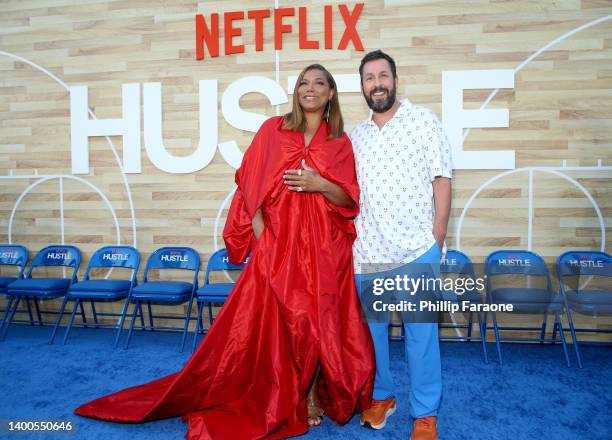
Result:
pixel 5 281
pixel 590 297
pixel 552 307
pixel 450 295
pixel 100 289
pixel 590 301
pixel 517 295
pixel 592 309
pixel 49 287
pixel 102 286
pixel 528 300
pixel 217 292
pixel 163 291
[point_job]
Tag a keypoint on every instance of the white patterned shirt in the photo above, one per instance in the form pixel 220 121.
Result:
pixel 396 165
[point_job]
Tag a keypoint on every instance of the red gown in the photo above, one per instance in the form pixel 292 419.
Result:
pixel 294 306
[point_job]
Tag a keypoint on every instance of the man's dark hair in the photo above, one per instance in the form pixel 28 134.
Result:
pixel 377 55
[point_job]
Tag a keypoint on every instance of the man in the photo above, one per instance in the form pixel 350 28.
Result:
pixel 403 163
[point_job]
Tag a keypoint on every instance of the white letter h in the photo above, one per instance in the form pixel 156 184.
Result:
pixel 82 127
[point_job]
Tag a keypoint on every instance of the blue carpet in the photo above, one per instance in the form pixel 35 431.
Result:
pixel 533 396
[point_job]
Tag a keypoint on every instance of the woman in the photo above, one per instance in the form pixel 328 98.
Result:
pixel 292 328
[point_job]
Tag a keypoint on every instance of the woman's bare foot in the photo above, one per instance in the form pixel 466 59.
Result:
pixel 315 409
pixel 315 413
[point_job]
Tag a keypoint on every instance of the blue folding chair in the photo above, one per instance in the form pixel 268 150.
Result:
pixel 102 289
pixel 458 263
pixel 165 292
pixel 529 267
pixel 583 300
pixel 12 255
pixel 43 288
pixel 214 293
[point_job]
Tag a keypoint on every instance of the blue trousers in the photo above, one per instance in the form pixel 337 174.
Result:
pixel 422 353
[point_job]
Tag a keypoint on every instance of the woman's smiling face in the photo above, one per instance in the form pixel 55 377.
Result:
pixel 314 92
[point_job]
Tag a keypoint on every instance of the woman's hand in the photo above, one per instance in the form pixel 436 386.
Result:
pixel 304 180
pixel 308 180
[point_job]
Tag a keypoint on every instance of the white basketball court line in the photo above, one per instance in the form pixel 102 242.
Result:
pixel 113 149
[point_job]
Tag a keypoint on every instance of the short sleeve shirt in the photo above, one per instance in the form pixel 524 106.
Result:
pixel 396 165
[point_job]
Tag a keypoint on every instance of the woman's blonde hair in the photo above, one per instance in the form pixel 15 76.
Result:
pixel 295 120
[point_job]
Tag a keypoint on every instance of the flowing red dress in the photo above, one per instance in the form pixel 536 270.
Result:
pixel 293 307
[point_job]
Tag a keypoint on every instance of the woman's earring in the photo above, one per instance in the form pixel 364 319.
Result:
pixel 327 111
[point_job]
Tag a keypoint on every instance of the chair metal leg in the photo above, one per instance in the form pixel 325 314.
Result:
pixel 484 328
pixel 482 339
pixel 574 338
pixel 38 314
pixel 543 330
pixel 129 336
pixel 199 326
pixel 141 316
pixel 10 319
pixel 58 320
pixel 469 330
pixel 150 310
pixel 562 333
pixel 6 312
pixel 210 315
pixel 29 308
pixel 497 341
pixel 77 303
pixel 83 315
pixel 121 321
pixel 187 319
pixel 93 310
pixel 554 333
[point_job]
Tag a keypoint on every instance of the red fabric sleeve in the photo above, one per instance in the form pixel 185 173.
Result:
pixel 253 185
pixel 238 232
pixel 341 171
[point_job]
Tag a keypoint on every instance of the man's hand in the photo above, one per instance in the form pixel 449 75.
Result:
pixel 442 204
pixel 439 233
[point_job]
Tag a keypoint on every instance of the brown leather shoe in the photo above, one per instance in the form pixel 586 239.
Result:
pixel 377 414
pixel 424 429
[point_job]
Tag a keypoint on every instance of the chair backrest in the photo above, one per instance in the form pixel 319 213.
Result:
pixel 575 263
pixel 519 262
pixel 220 261
pixel 14 255
pixel 115 257
pixel 58 255
pixel 458 263
pixel 184 258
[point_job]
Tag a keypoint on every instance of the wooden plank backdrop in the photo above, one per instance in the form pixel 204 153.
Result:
pixel 560 113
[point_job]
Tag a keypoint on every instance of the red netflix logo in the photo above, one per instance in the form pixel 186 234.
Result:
pixel 207 33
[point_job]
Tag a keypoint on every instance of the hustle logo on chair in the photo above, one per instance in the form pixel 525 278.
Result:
pixel 514 260
pixel 58 254
pixel 586 261
pixel 174 256
pixel 115 255
pixel 8 254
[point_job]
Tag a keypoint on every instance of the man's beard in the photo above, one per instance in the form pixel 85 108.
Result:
pixel 384 105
